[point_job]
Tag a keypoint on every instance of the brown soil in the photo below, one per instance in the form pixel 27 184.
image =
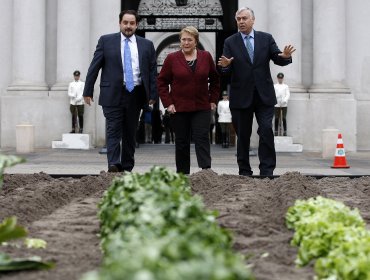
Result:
pixel 63 213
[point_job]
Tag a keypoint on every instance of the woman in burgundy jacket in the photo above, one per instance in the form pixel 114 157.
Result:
pixel 189 87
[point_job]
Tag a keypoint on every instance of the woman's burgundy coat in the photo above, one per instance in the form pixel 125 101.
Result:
pixel 189 91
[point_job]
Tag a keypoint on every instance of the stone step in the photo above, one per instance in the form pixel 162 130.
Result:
pixel 284 140
pixel 285 144
pixel 80 141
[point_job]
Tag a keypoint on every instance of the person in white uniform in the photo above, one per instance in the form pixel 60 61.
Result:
pixel 75 91
pixel 224 119
pixel 281 108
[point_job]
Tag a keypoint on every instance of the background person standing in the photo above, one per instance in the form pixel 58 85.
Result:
pixel 281 108
pixel 247 55
pixel 224 119
pixel 148 124
pixel 127 83
pixel 75 91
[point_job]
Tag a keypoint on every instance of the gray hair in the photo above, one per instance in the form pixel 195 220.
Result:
pixel 244 9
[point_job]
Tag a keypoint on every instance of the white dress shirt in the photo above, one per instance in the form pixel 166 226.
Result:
pixel 251 38
pixel 134 58
pixel 75 92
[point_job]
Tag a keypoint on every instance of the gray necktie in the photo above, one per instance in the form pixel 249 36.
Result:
pixel 249 47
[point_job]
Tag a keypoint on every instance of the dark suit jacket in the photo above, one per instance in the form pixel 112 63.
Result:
pixel 189 90
pixel 246 76
pixel 108 57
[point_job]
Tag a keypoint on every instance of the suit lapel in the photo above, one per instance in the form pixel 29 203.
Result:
pixel 139 50
pixel 257 45
pixel 117 45
pixel 181 58
pixel 242 48
pixel 200 58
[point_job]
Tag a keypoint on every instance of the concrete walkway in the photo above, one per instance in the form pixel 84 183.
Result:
pixel 81 162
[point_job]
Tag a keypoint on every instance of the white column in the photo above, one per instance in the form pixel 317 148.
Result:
pixel 285 25
pixel 72 40
pixel 105 15
pixel 29 46
pixel 6 48
pixel 329 46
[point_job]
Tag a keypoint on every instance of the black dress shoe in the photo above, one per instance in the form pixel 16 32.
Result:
pixel 113 168
pixel 245 173
pixel 266 174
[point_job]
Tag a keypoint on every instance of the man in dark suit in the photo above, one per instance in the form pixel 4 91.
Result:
pixel 247 55
pixel 127 83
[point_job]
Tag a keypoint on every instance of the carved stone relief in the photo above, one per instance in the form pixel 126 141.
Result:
pixel 176 14
pixel 180 7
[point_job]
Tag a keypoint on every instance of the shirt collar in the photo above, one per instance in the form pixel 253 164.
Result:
pixel 132 38
pixel 251 34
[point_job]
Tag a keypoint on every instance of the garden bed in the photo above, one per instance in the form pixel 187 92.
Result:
pixel 63 213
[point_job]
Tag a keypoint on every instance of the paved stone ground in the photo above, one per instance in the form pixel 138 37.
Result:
pixel 63 161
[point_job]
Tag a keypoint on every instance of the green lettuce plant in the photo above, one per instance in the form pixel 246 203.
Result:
pixel 333 235
pixel 10 230
pixel 152 227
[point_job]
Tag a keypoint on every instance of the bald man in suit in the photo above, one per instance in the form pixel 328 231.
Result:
pixel 127 83
pixel 246 57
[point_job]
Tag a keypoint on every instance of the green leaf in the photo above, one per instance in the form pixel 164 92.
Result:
pixel 10 230
pixel 35 243
pixel 8 161
pixel 8 264
pixel 152 227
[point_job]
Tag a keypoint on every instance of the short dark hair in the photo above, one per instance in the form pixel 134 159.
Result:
pixel 76 73
pixel 280 75
pixel 130 12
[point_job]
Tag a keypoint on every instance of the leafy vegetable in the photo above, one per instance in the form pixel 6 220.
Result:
pixel 7 161
pixel 152 227
pixel 35 243
pixel 349 261
pixel 332 234
pixel 10 230
pixel 9 264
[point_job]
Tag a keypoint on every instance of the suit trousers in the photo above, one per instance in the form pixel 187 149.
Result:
pixel 243 121
pixel 195 126
pixel 121 125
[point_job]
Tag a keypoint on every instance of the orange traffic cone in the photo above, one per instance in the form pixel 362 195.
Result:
pixel 340 155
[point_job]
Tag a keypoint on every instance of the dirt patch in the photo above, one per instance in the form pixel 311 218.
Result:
pixel 63 212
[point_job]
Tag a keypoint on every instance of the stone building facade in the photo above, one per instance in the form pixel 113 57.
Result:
pixel 44 41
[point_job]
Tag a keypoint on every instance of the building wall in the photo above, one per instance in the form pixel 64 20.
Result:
pixel 358 71
pixel 330 81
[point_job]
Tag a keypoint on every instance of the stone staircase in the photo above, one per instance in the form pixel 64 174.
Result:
pixel 285 144
pixel 78 141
